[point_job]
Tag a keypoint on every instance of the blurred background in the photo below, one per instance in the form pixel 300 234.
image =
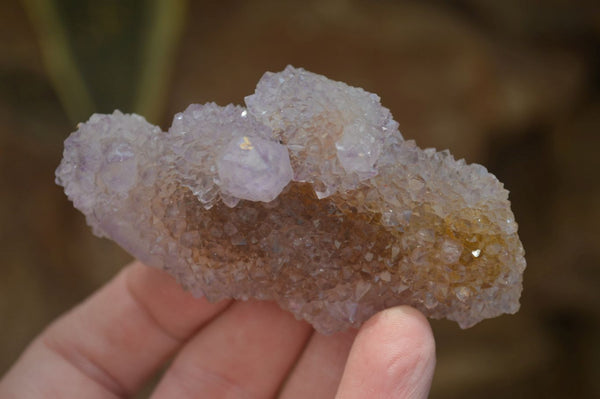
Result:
pixel 512 84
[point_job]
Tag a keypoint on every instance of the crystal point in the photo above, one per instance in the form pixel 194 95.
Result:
pixel 310 197
pixel 254 169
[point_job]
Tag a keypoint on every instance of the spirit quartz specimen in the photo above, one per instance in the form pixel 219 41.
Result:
pixel 310 197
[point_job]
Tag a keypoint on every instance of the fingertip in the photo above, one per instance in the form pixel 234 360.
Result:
pixel 393 356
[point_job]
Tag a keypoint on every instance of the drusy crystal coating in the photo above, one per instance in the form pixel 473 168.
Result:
pixel 310 197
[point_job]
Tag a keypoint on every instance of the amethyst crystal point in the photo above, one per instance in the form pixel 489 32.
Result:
pixel 254 169
pixel 198 137
pixel 309 197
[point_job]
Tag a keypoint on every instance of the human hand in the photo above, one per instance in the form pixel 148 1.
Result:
pixel 111 344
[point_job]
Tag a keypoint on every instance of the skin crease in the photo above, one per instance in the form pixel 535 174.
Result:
pixel 224 350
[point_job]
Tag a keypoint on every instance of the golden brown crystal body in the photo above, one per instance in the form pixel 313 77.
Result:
pixel 335 268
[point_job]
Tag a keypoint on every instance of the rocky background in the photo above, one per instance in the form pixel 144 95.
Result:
pixel 513 84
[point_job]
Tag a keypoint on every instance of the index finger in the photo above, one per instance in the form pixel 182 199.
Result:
pixel 110 344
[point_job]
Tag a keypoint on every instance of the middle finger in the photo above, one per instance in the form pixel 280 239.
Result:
pixel 246 352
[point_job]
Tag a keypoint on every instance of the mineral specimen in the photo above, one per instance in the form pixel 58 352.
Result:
pixel 310 197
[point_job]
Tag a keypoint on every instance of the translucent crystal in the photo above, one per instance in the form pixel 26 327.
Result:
pixel 309 197
pixel 254 169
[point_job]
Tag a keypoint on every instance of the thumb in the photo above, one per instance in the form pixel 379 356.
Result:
pixel 393 356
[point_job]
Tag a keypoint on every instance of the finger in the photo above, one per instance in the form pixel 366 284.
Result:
pixel 115 340
pixel 245 352
pixel 393 356
pixel 321 364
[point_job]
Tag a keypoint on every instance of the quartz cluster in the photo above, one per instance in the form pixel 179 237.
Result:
pixel 308 196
